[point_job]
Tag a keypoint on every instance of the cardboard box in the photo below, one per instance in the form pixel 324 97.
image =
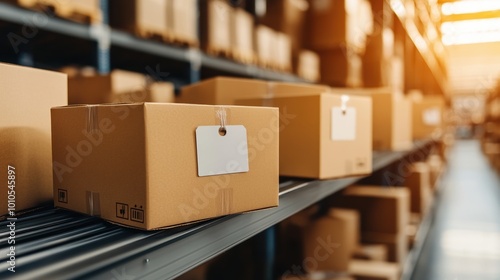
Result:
pixel 27 95
pixel 353 21
pixel 307 65
pixel 337 138
pixel 282 52
pixel 332 236
pixel 265 39
pixel 372 252
pixel 374 202
pixel 418 182
pixel 146 18
pixel 83 11
pixel 427 116
pixel 227 90
pixel 341 67
pixel 141 165
pixel 287 16
pixel 391 118
pixel 117 87
pixel 183 20
pixel 374 270
pixel 242 36
pixel 397 244
pixel 215 22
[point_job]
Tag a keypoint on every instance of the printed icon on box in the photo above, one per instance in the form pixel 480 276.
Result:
pixel 122 211
pixel 137 215
pixel 62 196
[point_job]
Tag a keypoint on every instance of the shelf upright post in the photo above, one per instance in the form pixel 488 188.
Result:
pixel 265 253
pixel 102 33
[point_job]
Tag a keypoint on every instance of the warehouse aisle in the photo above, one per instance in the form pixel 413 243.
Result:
pixel 464 243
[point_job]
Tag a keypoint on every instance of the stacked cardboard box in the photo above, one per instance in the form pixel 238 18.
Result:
pixel 242 36
pixel 418 182
pixel 25 151
pixel 306 65
pixel 385 214
pixel 85 11
pixel 339 231
pixel 339 48
pixel 118 87
pixel 156 165
pixel 215 27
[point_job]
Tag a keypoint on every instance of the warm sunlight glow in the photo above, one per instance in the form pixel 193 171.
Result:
pixel 471 31
pixel 470 7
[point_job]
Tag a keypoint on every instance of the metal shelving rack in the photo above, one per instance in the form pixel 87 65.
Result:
pixel 58 244
pixel 105 38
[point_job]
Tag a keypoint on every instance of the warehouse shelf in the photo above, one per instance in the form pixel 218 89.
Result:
pixel 420 44
pixel 107 38
pixel 55 243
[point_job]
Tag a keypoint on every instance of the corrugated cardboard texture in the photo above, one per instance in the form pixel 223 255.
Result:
pixel 422 130
pixel 226 91
pixel 382 209
pixel 27 95
pixel 141 161
pixel 306 122
pixel 391 118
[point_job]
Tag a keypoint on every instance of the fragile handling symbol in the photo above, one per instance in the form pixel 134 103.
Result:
pixel 122 211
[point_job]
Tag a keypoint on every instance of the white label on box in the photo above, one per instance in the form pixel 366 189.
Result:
pixel 221 153
pixel 343 124
pixel 432 116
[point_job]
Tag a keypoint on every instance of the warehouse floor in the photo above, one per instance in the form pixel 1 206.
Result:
pixel 464 241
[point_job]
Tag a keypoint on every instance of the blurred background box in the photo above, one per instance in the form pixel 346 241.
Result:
pixel 340 67
pixel 306 65
pixel 427 116
pixel 215 27
pixel 242 36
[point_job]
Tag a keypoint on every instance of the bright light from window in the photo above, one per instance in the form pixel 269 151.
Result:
pixel 470 7
pixel 471 31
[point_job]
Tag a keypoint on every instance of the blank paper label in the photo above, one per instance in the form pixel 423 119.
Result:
pixel 432 116
pixel 221 154
pixel 343 124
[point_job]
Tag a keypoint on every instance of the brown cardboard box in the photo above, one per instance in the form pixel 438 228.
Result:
pixel 282 52
pixel 265 39
pixel 427 116
pixel 382 209
pixel 338 144
pixel 242 35
pixel 287 16
pixel 397 244
pixel 340 67
pixel 215 22
pixel 330 240
pixel 137 164
pixel 27 95
pixel 226 90
pixel 183 19
pixel 146 18
pixel 83 11
pixel 372 252
pixel 374 270
pixel 418 182
pixel 352 21
pixel 117 87
pixel 391 118
pixel 307 65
